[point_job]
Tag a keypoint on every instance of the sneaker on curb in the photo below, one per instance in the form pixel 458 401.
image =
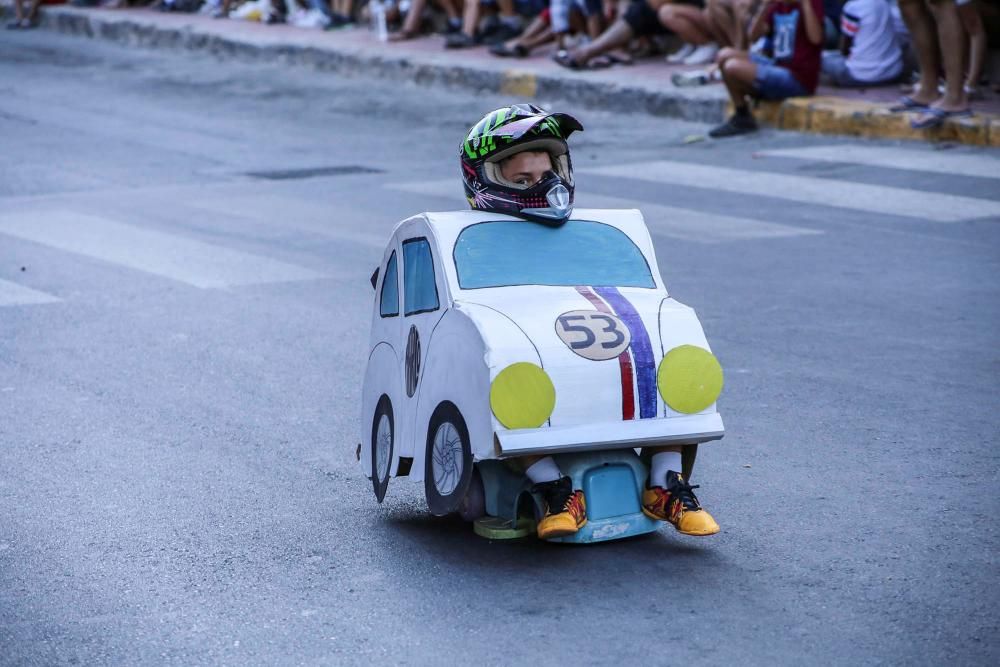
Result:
pixel 678 56
pixel 690 79
pixel 565 509
pixel 737 124
pixel 703 55
pixel 678 506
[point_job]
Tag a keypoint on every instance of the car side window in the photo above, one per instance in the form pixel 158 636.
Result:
pixel 419 288
pixel 389 299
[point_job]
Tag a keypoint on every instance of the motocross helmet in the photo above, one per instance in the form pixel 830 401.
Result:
pixel 505 132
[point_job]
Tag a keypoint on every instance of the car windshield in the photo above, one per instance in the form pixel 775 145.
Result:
pixel 581 252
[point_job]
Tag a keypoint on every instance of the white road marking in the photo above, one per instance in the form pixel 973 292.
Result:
pixel 932 206
pixel 681 223
pixel 12 294
pixel 941 162
pixel 185 260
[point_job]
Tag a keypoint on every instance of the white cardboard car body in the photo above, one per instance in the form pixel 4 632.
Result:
pixel 423 356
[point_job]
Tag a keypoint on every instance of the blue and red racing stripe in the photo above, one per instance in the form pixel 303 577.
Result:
pixel 637 359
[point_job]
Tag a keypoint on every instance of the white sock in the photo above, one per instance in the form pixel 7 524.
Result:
pixel 662 463
pixel 544 470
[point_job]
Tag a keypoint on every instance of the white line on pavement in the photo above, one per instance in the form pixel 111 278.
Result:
pixel 12 294
pixel 961 164
pixel 681 223
pixel 185 260
pixel 882 199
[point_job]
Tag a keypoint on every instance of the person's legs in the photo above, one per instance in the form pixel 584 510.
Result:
pixel 687 21
pixel 738 73
pixel 618 34
pixel 667 496
pixel 834 69
pixel 951 37
pixel 723 24
pixel 968 11
pixel 565 508
pixel 920 23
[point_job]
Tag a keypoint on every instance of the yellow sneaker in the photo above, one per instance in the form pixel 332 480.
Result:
pixel 565 509
pixel 678 506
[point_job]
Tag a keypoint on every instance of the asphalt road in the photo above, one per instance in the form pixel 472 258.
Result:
pixel 182 344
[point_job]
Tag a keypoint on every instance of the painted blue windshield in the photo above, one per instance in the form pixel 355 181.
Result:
pixel 419 290
pixel 390 290
pixel 508 252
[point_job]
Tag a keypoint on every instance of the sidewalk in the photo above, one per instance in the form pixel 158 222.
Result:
pixel 644 86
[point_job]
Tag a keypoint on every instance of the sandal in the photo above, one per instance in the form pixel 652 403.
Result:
pixel 504 51
pixel 403 35
pixel 934 117
pixel 563 58
pixel 907 103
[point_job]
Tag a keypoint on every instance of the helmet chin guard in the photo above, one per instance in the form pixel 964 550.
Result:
pixel 504 133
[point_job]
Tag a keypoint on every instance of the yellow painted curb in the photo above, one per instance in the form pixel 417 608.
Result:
pixel 831 115
pixel 518 82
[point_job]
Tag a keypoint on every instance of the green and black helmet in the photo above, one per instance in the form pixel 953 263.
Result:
pixel 505 132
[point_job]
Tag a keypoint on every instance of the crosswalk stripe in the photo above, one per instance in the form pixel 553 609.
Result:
pixel 12 294
pixel 961 164
pixel 882 199
pixel 680 223
pixel 185 260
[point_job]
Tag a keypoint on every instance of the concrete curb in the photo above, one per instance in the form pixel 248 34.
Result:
pixel 819 115
pixel 830 115
pixel 121 28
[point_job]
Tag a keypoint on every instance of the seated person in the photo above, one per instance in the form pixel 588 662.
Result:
pixel 413 18
pixel 730 20
pixel 795 28
pixel 538 32
pixel 509 177
pixel 23 19
pixel 501 24
pixel 870 53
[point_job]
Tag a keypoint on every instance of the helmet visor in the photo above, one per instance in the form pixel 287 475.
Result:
pixel 564 125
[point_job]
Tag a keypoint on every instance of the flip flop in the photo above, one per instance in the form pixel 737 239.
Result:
pixel 934 117
pixel 619 58
pixel 907 103
pixel 563 58
pixel 504 51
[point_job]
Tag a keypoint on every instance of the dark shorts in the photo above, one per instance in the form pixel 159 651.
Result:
pixel 643 19
pixel 774 82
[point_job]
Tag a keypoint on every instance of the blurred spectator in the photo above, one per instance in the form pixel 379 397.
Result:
pixel 869 52
pixel 413 18
pixel 23 19
pixel 729 20
pixel 689 21
pixel 639 19
pixel 938 38
pixel 538 32
pixel 501 24
pixel 968 11
pixel 795 29
pixel 588 12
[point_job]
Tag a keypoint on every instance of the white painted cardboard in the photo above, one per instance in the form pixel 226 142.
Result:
pixel 477 333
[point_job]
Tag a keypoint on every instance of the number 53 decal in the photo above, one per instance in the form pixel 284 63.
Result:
pixel 592 334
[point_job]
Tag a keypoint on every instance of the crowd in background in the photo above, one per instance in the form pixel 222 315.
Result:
pixel 757 49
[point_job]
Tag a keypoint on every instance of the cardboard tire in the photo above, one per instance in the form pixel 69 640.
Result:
pixel 383 425
pixel 447 461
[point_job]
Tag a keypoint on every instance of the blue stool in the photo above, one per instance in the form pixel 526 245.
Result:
pixel 612 482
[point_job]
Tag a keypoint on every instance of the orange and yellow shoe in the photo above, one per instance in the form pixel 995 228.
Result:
pixel 565 509
pixel 678 506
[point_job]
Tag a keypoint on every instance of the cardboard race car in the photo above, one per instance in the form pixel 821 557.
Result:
pixel 493 338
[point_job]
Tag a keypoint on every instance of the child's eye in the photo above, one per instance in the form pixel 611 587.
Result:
pixel 522 181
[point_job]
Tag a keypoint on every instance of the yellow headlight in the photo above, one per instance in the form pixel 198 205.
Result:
pixel 522 396
pixel 689 379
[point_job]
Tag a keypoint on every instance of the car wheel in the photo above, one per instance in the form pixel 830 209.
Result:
pixel 383 439
pixel 448 460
